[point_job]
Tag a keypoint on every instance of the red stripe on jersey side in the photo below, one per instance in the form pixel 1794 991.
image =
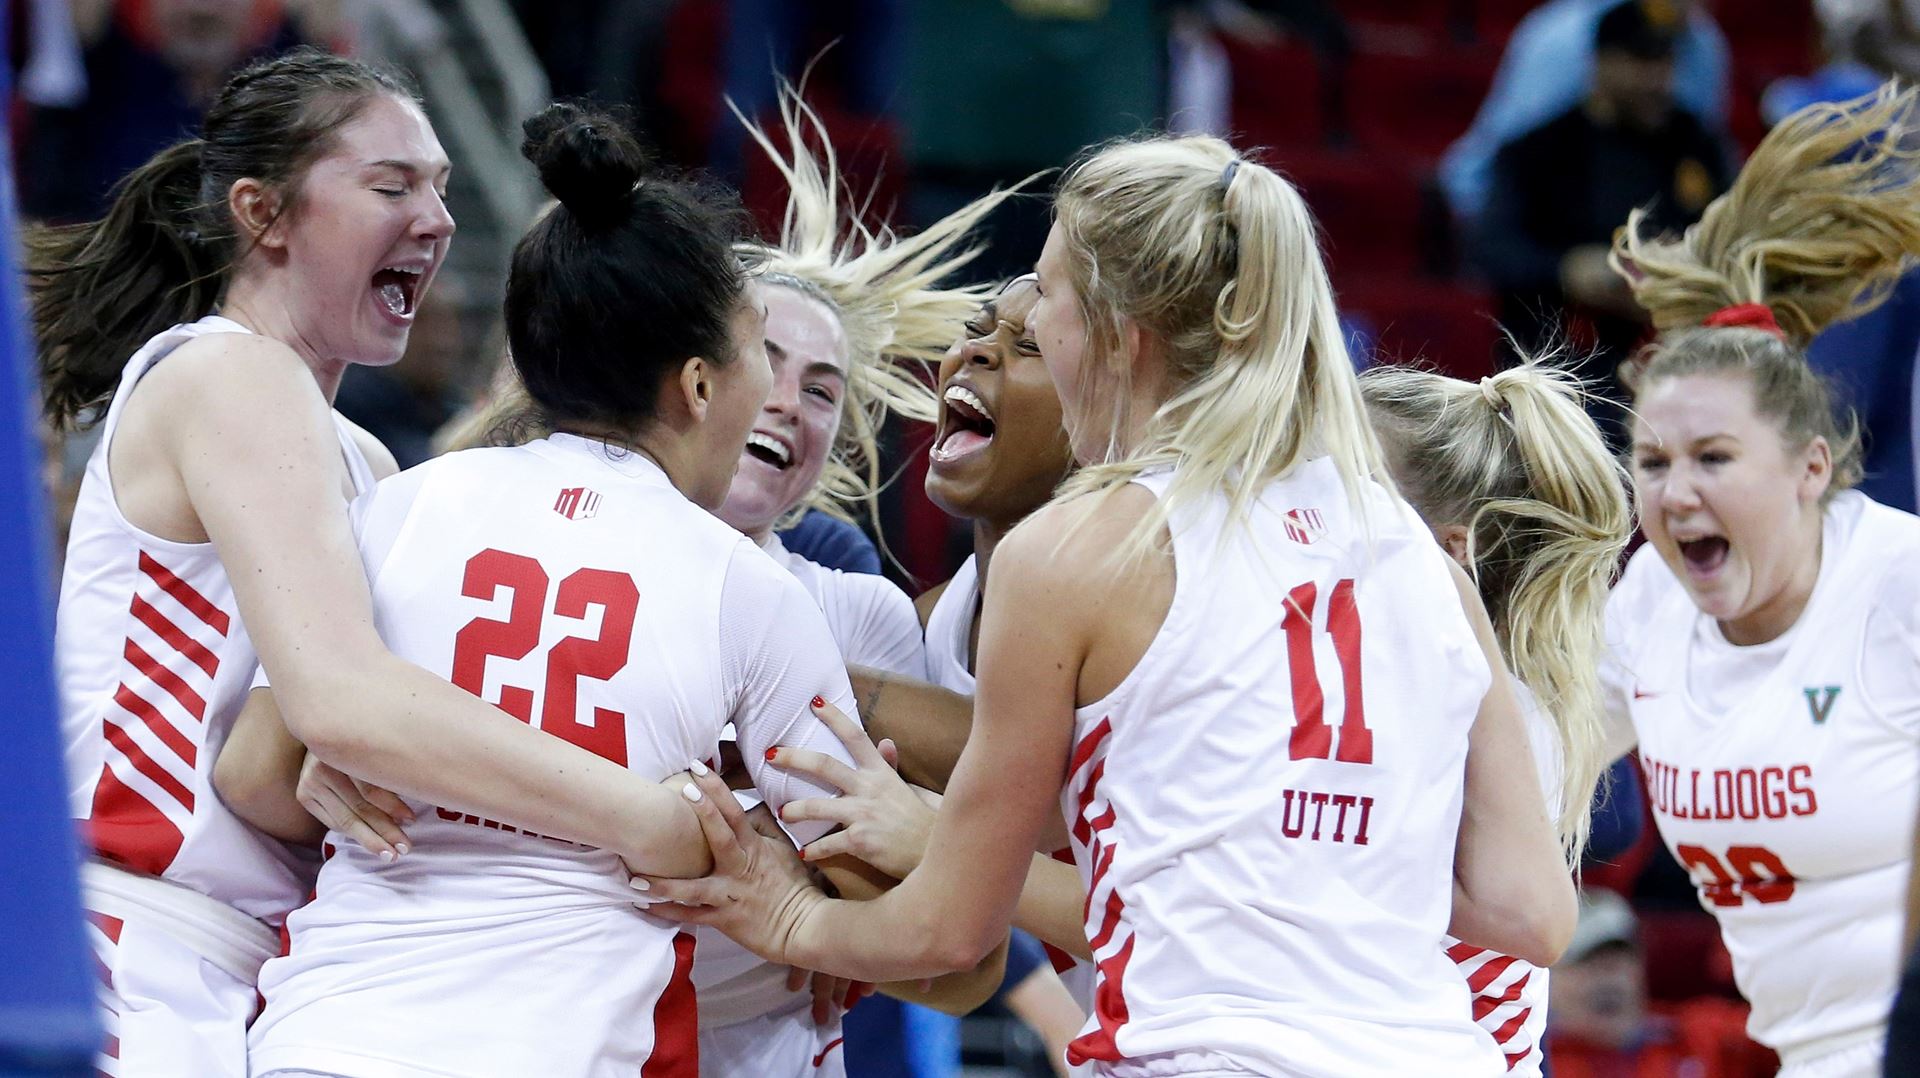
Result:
pixel 1480 978
pixel 110 1047
pixel 196 652
pixel 1484 1005
pixel 1109 922
pixel 127 829
pixel 108 926
pixel 1110 1007
pixel 1099 873
pixel 132 703
pixel 1082 831
pixel 676 1020
pixel 1514 1059
pixel 1511 1026
pixel 144 764
pixel 1085 749
pixel 821 1056
pixel 1462 952
pixel 175 685
pixel 183 593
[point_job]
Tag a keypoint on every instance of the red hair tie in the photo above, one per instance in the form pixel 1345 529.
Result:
pixel 1749 315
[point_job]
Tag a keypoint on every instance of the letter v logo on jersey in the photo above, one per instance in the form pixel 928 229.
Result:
pixel 1820 701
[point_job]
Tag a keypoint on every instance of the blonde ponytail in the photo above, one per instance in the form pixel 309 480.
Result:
pixel 1517 460
pixel 1217 259
pixel 1818 225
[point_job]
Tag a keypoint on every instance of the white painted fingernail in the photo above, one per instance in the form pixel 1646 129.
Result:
pixel 639 884
pixel 691 791
pixel 698 768
pixel 386 856
pixel 404 848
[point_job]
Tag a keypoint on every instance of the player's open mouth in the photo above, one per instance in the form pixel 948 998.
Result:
pixel 966 425
pixel 396 288
pixel 1704 556
pixel 769 450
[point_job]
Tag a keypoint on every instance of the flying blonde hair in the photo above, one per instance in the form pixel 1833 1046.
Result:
pixel 1519 462
pixel 1818 227
pixel 1217 259
pixel 887 291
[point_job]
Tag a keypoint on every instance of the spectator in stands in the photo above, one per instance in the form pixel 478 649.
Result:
pixel 1547 68
pixel 1599 1024
pixel 1561 190
pixel 151 70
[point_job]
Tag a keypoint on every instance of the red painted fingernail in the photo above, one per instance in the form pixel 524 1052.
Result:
pixel 771 753
pixel 818 702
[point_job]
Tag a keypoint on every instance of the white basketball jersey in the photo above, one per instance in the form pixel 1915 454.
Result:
pixel 1510 994
pixel 1264 811
pixel 1793 809
pixel 874 624
pixel 949 635
pixel 576 588
pixel 153 666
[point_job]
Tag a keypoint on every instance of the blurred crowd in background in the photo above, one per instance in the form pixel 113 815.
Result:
pixel 1468 160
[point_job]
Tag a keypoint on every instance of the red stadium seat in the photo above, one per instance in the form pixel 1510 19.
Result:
pixel 1276 94
pixel 1441 323
pixel 1417 104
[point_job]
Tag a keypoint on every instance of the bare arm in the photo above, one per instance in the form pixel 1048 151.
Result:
pixel 958 993
pixel 258 769
pixel 1512 890
pixel 1051 906
pixel 927 723
pixel 261 468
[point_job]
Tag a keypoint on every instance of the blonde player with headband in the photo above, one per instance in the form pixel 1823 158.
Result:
pixel 1517 485
pixel 1767 639
pixel 1270 875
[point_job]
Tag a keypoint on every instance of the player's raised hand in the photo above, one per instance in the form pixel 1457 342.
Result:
pixel 882 820
pixel 359 810
pixel 759 891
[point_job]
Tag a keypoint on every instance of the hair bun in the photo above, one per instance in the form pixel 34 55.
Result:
pixel 587 159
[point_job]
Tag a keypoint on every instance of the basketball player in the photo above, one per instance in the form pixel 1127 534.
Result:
pixel 1764 640
pixel 1206 388
pixel 584 576
pixel 1517 485
pixel 310 211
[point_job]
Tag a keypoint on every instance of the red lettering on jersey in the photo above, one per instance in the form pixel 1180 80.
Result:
pixel 1723 794
pixel 577 503
pixel 1343 802
pixel 1695 810
pixel 481 638
pixel 1295 826
pixel 1800 783
pixel 1312 738
pixel 599 658
pixel 1289 826
pixel 1756 873
pixel 1746 793
pixel 1719 887
pixel 1773 799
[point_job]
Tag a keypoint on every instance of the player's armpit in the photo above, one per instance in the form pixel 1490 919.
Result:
pixel 258 773
pixel 955 993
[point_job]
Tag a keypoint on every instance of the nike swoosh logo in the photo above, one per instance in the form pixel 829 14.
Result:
pixel 1642 694
pixel 822 1057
